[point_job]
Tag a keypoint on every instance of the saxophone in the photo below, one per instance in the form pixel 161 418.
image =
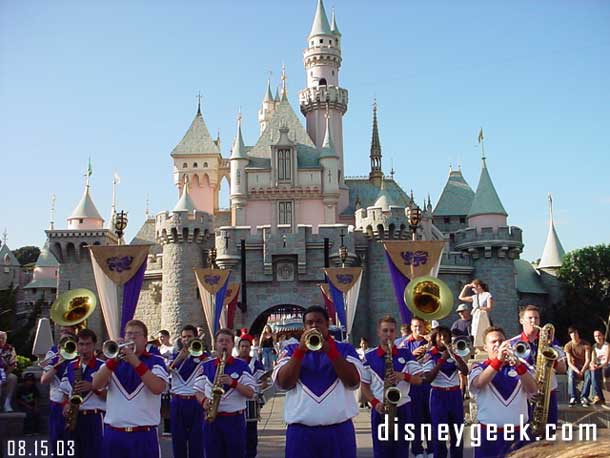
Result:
pixel 75 400
pixel 545 359
pixel 391 394
pixel 217 389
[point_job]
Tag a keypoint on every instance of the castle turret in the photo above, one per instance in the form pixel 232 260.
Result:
pixel 322 60
pixel 198 157
pixel 239 189
pixel 486 209
pixel 44 279
pixel 330 184
pixel 552 256
pixel 183 234
pixel 85 214
pixel 267 108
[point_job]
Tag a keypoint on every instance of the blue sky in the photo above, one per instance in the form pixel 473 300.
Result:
pixel 117 81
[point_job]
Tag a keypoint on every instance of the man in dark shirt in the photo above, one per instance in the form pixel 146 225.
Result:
pixel 461 326
pixel 27 399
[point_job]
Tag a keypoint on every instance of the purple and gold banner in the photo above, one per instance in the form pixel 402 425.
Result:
pixel 213 285
pixel 408 259
pixel 120 262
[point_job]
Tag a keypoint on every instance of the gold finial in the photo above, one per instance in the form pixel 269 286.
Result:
pixel 52 222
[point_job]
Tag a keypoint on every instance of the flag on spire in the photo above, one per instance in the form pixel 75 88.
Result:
pixel 481 138
pixel 89 169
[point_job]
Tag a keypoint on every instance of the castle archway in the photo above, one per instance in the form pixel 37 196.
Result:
pixel 275 313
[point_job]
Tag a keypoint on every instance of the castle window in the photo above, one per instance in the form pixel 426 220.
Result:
pixel 462 220
pixel 185 165
pixel 321 41
pixel 81 221
pixel 284 164
pixel 238 177
pixel 446 220
pixel 333 73
pixel 285 212
pixel 322 82
pixel 205 165
pixel 194 165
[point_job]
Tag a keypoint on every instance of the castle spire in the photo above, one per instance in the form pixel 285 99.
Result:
pixel 333 24
pixel 320 24
pixel 284 89
pixel 328 144
pixel 486 200
pixel 185 204
pixel 375 175
pixel 238 151
pixel 199 103
pixel 553 253
pixel 52 219
pixel 268 94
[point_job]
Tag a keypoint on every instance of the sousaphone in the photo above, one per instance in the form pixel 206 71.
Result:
pixel 73 307
pixel 428 298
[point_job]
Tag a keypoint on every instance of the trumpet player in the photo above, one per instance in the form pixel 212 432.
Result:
pixel 135 382
pixel 91 405
pixel 500 385
pixel 378 377
pixel 442 368
pixel 224 431
pixel 186 414
pixel 52 375
pixel 320 376
pixel 529 318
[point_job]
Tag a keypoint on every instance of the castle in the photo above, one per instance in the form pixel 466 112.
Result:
pixel 289 199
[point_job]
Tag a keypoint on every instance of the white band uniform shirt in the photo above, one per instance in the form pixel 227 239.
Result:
pixel 91 401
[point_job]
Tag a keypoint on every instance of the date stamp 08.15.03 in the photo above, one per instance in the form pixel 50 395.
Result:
pixel 37 447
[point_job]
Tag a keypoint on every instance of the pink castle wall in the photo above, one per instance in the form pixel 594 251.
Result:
pixel 88 223
pixel 258 213
pixel 310 212
pixel 202 194
pixel 480 221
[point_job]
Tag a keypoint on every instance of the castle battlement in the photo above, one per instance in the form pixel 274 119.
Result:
pixel 505 241
pixel 180 227
pixel 380 223
pixel 317 98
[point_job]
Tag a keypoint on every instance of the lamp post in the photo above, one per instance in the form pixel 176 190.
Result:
pixel 342 250
pixel 120 224
pixel 414 217
pixel 212 258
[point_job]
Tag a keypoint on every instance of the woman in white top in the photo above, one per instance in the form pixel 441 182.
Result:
pixel 599 361
pixel 482 302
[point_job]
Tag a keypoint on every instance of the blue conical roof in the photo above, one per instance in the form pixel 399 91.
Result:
pixel 486 200
pixel 320 24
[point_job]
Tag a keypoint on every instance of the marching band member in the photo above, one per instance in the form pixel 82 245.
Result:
pixel 258 370
pixel 225 437
pixel 446 404
pixel 404 374
pixel 500 387
pixel 320 402
pixel 417 344
pixel 186 414
pixel 135 383
pixel 88 433
pixel 529 318
pixel 53 373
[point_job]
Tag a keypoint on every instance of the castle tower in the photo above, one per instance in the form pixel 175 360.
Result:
pixel 183 234
pixel 198 157
pixel 493 246
pixel 376 174
pixel 239 189
pixel 552 256
pixel 69 246
pixel 44 279
pixel 330 183
pixel 486 209
pixel 267 108
pixel 322 60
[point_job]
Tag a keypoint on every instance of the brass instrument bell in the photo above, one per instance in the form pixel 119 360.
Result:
pixel 314 340
pixel 112 349
pixel 462 347
pixel 195 347
pixel 428 298
pixel 73 307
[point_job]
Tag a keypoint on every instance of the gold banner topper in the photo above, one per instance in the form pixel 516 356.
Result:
pixel 415 258
pixel 232 291
pixel 212 280
pixel 343 278
pixel 119 262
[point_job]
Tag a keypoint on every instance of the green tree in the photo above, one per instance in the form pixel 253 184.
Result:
pixel 27 254
pixel 8 303
pixel 585 279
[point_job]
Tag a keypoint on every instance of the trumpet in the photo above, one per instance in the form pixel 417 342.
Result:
pixel 314 340
pixel 519 350
pixel 67 351
pixel 112 349
pixel 462 347
pixel 194 347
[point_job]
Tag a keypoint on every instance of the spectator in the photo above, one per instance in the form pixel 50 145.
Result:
pixel 8 361
pixel 578 352
pixel 27 400
pixel 461 326
pixel 599 361
pixel 255 351
pixel 405 331
pixel 165 349
pixel 267 344
pixel 364 346
pixel 482 303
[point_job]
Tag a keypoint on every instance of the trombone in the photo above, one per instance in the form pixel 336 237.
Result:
pixel 67 351
pixel 112 349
